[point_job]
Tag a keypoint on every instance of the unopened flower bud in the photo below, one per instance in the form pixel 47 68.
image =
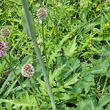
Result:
pixel 27 70
pixel 5 32
pixel 41 13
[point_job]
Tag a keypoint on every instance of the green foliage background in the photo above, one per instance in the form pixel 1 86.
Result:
pixel 77 39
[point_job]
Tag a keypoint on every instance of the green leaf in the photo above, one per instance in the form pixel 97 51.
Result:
pixel 101 68
pixel 2 66
pixel 104 100
pixel 90 27
pixel 9 90
pixel 8 106
pixel 71 67
pixel 1 108
pixel 73 79
pixel 55 74
pixel 61 61
pixel 64 107
pixel 84 83
pixel 24 101
pixel 69 50
pixel 106 50
pixel 5 83
pixel 108 73
pixel 108 107
pixel 88 104
pixel 75 63
pixel 27 60
pixel 65 38
pixel 17 103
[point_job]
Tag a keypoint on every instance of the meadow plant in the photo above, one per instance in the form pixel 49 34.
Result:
pixel 4 46
pixel 77 55
pixel 27 71
pixel 41 14
pixel 37 50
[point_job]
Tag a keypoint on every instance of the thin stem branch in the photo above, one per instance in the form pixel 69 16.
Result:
pixel 33 92
pixel 43 38
pixel 37 50
pixel 44 48
pixel 14 73
pixel 104 85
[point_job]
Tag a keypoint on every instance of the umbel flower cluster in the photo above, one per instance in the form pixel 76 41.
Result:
pixel 27 70
pixel 4 46
pixel 41 14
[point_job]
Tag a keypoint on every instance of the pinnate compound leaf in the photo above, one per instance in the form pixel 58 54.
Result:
pixel 88 104
pixel 104 100
pixel 70 49
pixel 63 107
pixel 106 50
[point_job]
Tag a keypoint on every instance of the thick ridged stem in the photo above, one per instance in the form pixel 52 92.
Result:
pixel 37 50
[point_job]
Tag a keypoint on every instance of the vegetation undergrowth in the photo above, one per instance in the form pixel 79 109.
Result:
pixel 76 38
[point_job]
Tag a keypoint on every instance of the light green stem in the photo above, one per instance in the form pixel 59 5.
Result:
pixel 33 92
pixel 104 85
pixel 44 48
pixel 37 50
pixel 43 39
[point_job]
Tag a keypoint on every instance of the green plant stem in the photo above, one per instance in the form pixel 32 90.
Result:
pixel 44 48
pixel 99 80
pixel 43 38
pixel 33 92
pixel 37 50
pixel 104 85
pixel 14 73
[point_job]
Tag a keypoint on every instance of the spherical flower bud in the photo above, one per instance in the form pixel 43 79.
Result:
pixel 5 32
pixel 83 3
pixel 3 48
pixel 41 13
pixel 27 70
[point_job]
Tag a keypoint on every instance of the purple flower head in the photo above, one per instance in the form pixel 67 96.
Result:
pixel 3 48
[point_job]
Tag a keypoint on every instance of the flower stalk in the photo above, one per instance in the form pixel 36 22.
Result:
pixel 33 92
pixel 14 74
pixel 44 48
pixel 28 71
pixel 37 50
